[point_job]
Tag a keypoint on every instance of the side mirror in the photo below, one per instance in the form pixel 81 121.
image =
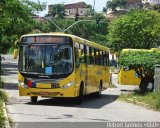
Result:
pixel 15 53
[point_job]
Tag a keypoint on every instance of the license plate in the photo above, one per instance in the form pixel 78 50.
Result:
pixel 43 93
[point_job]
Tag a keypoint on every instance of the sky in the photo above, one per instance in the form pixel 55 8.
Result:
pixel 99 4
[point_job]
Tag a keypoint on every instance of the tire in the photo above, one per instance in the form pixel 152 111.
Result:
pixel 79 99
pixel 99 93
pixel 34 99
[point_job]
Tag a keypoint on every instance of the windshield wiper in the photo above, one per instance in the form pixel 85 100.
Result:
pixel 35 73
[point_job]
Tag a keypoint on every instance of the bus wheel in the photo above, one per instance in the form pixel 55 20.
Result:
pixel 99 93
pixel 34 99
pixel 80 97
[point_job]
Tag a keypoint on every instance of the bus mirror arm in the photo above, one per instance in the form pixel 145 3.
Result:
pixel 15 53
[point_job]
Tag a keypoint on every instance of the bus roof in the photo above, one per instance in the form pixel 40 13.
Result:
pixel 75 38
pixel 152 49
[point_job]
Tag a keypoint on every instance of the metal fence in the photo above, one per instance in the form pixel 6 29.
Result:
pixel 157 78
pixel 1 58
pixel 0 71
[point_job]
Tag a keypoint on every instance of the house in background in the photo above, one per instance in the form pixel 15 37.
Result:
pixel 130 4
pixel 38 18
pixel 133 4
pixel 151 1
pixel 81 8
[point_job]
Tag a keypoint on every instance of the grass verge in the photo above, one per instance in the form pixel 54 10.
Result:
pixel 10 51
pixel 112 86
pixel 114 69
pixel 149 100
pixel 3 98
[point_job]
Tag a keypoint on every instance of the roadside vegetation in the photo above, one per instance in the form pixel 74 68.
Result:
pixel 3 98
pixel 111 85
pixel 143 62
pixel 149 100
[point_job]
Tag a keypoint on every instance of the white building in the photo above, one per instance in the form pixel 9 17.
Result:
pixel 151 1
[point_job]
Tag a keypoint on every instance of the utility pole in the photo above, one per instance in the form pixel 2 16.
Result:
pixel 93 5
pixel 1 58
pixel 0 71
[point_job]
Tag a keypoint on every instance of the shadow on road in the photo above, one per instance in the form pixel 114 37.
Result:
pixel 88 102
pixel 9 68
pixel 9 75
pixel 10 86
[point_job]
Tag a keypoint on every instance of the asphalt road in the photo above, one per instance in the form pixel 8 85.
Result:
pixel 105 109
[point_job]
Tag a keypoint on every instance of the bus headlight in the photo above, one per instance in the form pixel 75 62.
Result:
pixel 68 85
pixel 22 84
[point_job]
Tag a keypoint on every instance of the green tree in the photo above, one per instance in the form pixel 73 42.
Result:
pixel 104 9
pixel 143 62
pixel 34 7
pixel 57 11
pixel 136 29
pixel 112 4
pixel 15 20
pixel 116 3
pixel 87 29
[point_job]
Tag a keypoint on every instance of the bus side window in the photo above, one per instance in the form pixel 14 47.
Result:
pixel 106 57
pixel 82 60
pixel 101 58
pixel 85 54
pixel 91 55
pixel 96 55
pixel 76 54
pixel 103 55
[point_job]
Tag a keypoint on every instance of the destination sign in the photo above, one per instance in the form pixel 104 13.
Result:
pixel 44 39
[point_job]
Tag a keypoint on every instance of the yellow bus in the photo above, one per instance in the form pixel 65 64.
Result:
pixel 128 77
pixel 61 65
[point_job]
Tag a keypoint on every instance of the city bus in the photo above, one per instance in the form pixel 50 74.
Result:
pixel 61 65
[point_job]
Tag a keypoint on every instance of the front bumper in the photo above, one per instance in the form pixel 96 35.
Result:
pixel 72 91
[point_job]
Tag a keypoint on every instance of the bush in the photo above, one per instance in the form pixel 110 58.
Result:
pixel 2 119
pixel 151 99
pixel 3 98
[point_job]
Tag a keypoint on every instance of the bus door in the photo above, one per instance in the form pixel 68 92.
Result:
pixel 80 65
pixel 90 71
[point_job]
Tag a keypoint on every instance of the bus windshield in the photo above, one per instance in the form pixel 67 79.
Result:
pixel 46 59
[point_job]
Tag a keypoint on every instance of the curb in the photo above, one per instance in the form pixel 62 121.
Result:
pixel 6 116
pixel 139 103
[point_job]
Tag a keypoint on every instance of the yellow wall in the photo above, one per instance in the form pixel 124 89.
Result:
pixel 128 77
